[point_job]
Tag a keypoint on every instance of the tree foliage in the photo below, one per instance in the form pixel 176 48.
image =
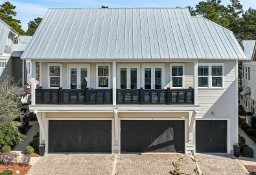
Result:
pixel 33 25
pixel 232 16
pixel 7 14
pixel 9 111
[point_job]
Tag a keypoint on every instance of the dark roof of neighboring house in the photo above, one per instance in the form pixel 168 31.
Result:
pixel 136 33
pixel 250 49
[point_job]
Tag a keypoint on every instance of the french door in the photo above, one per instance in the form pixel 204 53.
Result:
pixel 128 77
pixel 78 76
pixel 153 76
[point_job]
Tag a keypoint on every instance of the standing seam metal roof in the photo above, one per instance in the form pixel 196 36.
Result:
pixel 249 49
pixel 4 33
pixel 138 33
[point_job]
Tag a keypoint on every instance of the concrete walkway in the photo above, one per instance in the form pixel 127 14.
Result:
pixel 248 141
pixel 29 137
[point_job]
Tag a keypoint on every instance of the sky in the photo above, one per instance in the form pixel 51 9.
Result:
pixel 27 10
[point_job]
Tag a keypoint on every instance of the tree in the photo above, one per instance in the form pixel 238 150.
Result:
pixel 9 111
pixel 232 17
pixel 7 14
pixel 33 25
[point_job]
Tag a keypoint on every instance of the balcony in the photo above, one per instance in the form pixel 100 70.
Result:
pixel 123 96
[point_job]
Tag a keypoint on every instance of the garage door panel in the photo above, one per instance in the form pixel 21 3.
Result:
pixel 80 136
pixel 152 136
pixel 211 136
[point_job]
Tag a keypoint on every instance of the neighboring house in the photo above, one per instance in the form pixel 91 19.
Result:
pixel 134 80
pixel 8 37
pixel 248 93
pixel 11 48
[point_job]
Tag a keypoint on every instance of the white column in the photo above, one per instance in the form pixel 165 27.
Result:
pixel 114 82
pixel 33 82
pixel 196 82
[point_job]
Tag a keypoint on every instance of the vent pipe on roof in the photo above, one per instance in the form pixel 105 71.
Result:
pixel 104 7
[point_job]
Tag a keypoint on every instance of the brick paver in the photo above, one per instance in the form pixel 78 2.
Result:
pixel 133 164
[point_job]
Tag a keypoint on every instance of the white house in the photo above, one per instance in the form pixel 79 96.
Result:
pixel 248 93
pixel 12 45
pixel 134 80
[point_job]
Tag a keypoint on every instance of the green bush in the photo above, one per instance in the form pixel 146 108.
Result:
pixel 242 143
pixel 6 149
pixel 35 143
pixel 6 172
pixel 29 150
pixel 248 151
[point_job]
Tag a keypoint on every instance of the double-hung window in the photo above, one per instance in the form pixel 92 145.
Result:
pixel 249 73
pixel 54 75
pixel 246 72
pixel 177 73
pixel 103 76
pixel 210 75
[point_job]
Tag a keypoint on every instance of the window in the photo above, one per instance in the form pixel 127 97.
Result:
pixel 2 66
pixel 246 72
pixel 217 76
pixel 78 76
pixel 54 75
pixel 123 72
pixel 177 75
pixel 103 76
pixel 249 73
pixel 203 76
pixel 210 75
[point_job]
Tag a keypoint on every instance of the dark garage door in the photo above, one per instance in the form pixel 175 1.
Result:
pixel 211 136
pixel 80 136
pixel 152 136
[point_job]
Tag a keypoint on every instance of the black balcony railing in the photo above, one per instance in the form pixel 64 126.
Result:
pixel 155 96
pixel 123 96
pixel 73 96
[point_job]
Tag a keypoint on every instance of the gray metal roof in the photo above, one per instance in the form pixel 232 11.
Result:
pixel 130 34
pixel 4 32
pixel 19 48
pixel 249 48
pixel 24 39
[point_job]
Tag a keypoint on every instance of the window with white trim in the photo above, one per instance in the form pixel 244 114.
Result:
pixel 103 79
pixel 2 66
pixel 177 73
pixel 54 75
pixel 210 75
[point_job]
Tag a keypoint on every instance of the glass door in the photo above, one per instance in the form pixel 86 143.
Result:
pixel 128 77
pixel 78 77
pixel 153 77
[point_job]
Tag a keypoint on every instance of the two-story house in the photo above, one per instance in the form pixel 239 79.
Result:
pixel 134 80
pixel 12 45
pixel 248 93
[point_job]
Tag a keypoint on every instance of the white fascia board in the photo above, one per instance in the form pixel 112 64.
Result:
pixel 111 108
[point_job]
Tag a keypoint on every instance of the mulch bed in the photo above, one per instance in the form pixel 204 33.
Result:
pixel 22 169
pixel 34 155
pixel 251 169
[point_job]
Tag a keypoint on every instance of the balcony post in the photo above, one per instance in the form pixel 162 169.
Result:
pixel 114 83
pixel 141 95
pixel 87 98
pixel 196 83
pixel 60 95
pixel 168 96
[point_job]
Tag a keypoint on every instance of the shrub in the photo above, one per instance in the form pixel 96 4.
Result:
pixel 6 172
pixel 242 143
pixel 6 149
pixel 35 142
pixel 9 159
pixel 248 151
pixel 251 132
pixel 29 150
pixel 246 127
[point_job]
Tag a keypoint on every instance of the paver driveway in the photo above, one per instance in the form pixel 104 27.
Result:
pixel 133 164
